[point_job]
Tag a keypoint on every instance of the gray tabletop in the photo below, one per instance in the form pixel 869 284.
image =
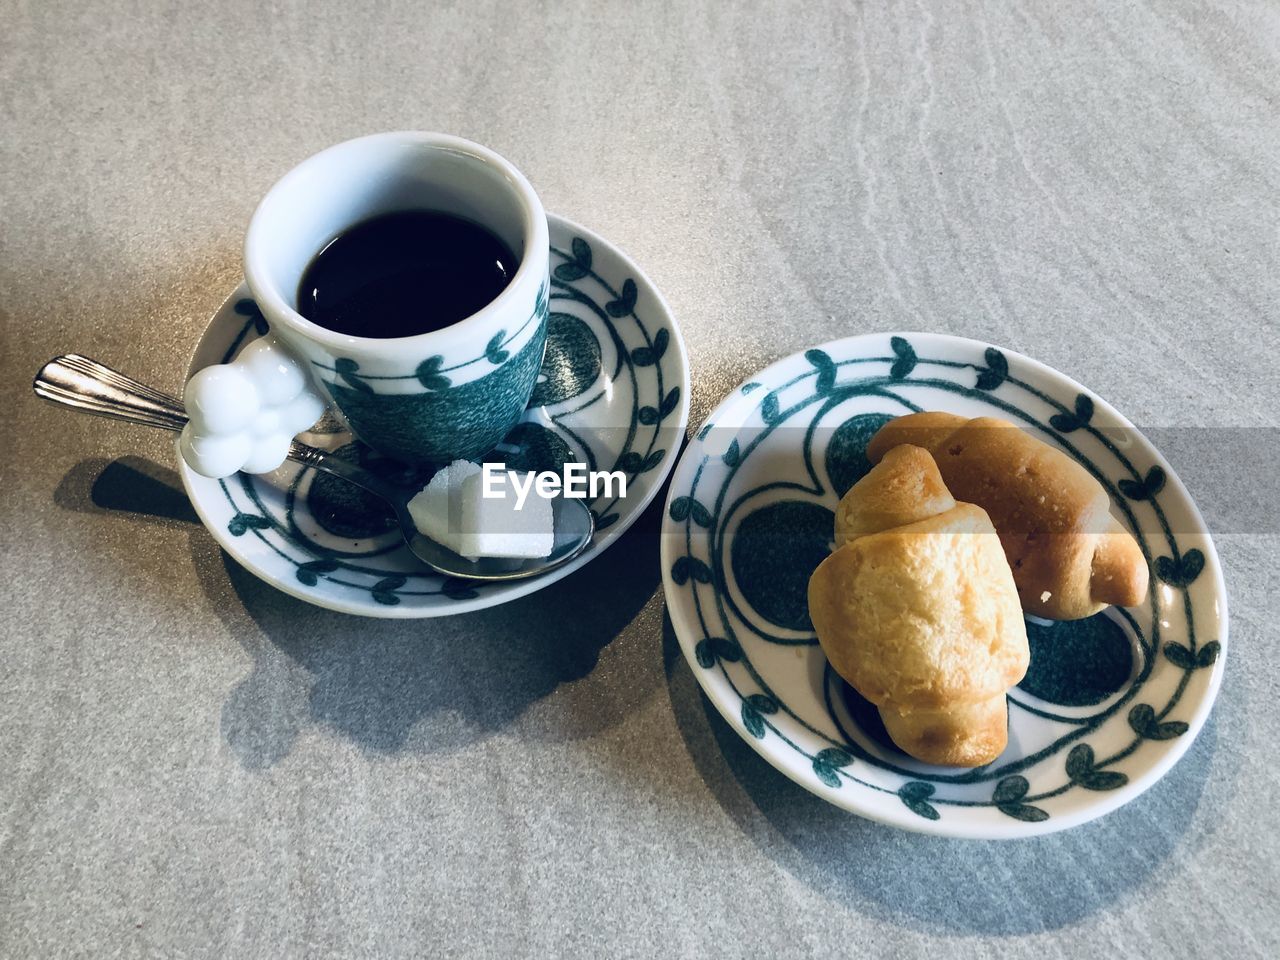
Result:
pixel 192 764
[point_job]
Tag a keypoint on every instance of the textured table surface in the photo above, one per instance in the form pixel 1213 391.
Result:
pixel 192 764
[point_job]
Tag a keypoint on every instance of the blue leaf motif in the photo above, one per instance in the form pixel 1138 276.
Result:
pixel 997 370
pixel 686 568
pixel 669 402
pixel 652 415
pixel 648 356
pixel 835 757
pixel 711 650
pixel 1179 655
pixel 579 266
pixel 493 351
pixel 701 515
pixel 348 370
pixel 826 368
pixel 625 303
pixel 1023 811
pixel 699 570
pixel 1008 800
pixel 754 709
pixel 307 573
pixel 568 272
pixel 1142 718
pixel 752 720
pixel 769 411
pixel 455 588
pixel 1180 572
pixel 915 795
pixel 428 374
pixel 827 764
pixel 680 571
pixel 683 507
pixel 1147 488
pixel 906 358
pixel 1011 790
pixel 242 522
pixel 384 591
pixel 1066 422
pixel 1082 770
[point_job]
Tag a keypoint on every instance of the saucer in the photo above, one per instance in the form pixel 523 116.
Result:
pixel 613 394
pixel 1108 704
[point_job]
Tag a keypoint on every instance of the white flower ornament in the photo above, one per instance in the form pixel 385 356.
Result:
pixel 244 414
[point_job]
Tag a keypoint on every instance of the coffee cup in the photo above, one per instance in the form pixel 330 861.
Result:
pixel 432 397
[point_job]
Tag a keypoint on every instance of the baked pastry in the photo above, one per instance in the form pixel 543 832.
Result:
pixel 1070 557
pixel 917 610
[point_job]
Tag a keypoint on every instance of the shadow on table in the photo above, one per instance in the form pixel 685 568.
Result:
pixel 395 685
pixel 429 685
pixel 927 883
pixel 131 485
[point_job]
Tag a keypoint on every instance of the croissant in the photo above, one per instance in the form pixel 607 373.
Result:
pixel 1070 557
pixel 917 610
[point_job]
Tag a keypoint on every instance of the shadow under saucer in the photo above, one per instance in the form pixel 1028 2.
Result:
pixel 131 485
pixel 422 685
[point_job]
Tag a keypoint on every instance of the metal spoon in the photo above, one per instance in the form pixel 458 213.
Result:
pixel 83 384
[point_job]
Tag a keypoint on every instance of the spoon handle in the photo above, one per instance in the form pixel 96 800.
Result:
pixel 332 464
pixel 84 384
pixel 92 387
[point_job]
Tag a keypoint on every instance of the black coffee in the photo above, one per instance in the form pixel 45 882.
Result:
pixel 405 273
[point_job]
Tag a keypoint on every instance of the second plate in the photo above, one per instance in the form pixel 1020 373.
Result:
pixel 1109 703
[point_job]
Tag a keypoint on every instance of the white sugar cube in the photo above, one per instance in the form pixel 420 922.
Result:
pixel 437 508
pixel 453 511
pixel 493 527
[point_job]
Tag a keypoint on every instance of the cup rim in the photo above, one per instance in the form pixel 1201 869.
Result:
pixel 534 233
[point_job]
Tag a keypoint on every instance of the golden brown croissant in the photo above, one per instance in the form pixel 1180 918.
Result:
pixel 1070 557
pixel 917 610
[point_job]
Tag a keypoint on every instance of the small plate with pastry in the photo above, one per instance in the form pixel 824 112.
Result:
pixel 944 586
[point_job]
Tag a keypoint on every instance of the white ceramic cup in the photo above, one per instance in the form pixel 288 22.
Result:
pixel 437 396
